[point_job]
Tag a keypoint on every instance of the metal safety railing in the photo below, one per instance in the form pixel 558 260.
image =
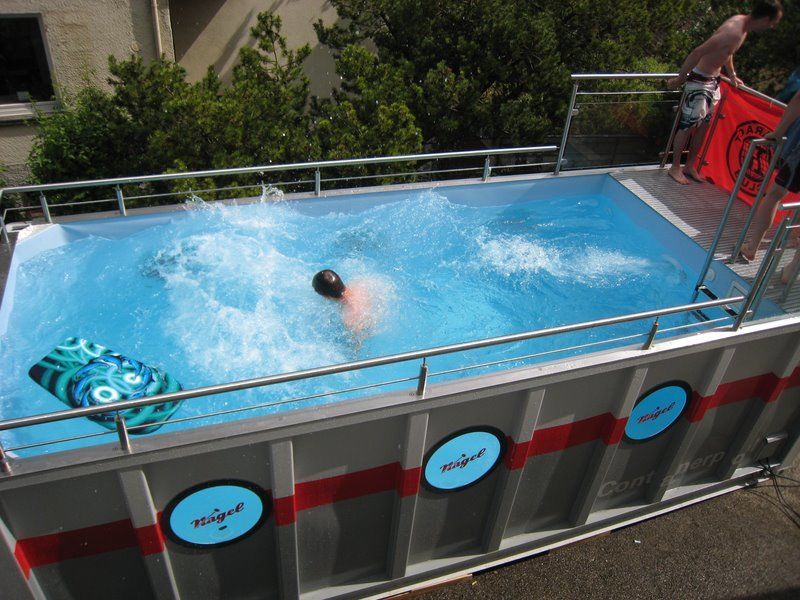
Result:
pixel 778 245
pixel 572 111
pixel 749 302
pixel 317 166
pixel 422 378
pixel 719 114
pixel 794 207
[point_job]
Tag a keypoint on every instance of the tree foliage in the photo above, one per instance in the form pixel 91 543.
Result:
pixel 485 72
pixel 433 74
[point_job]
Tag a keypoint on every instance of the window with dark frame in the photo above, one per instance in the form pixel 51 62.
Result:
pixel 24 72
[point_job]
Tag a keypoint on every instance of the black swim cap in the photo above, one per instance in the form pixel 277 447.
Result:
pixel 328 283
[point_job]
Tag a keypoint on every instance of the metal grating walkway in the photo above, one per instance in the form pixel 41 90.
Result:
pixel 696 209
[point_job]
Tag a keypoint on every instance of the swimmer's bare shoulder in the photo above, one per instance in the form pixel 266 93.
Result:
pixel 357 311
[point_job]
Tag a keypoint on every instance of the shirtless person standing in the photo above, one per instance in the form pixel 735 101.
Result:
pixel 701 73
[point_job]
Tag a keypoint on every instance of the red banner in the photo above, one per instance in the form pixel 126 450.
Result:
pixel 744 117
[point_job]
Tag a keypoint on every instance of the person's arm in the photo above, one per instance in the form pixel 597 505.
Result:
pixel 731 71
pixel 790 115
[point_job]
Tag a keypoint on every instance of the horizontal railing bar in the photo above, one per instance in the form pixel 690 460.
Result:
pixel 440 171
pixel 355 365
pixel 542 164
pixel 214 414
pixel 268 168
pixel 758 94
pixel 610 103
pixel 57 204
pixel 630 93
pixel 183 193
pixel 699 324
pixel 293 182
pixel 592 76
pixel 790 205
pixel 578 347
pixel 421 173
pixel 598 76
pixel 8 208
pixel 271 404
pixel 60 441
pixel 538 354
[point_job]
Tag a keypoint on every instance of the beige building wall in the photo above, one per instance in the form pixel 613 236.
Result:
pixel 79 35
pixel 16 140
pixel 210 32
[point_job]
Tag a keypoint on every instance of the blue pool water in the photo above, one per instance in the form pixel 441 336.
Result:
pixel 214 294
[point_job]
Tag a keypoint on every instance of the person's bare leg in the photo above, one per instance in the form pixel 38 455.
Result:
pixel 681 137
pixel 698 137
pixel 763 218
pixel 789 272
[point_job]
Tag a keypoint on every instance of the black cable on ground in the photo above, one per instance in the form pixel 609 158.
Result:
pixel 780 502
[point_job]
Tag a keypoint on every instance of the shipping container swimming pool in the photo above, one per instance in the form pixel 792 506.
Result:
pixel 377 475
pixel 343 485
pixel 221 293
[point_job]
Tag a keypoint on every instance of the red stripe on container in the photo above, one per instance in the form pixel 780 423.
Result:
pixel 794 378
pixel 767 387
pixel 615 429
pixel 771 387
pixel 737 391
pixel 697 407
pixel 78 543
pixel 46 549
pixel 408 481
pixel 285 510
pixel 150 538
pixel 344 487
pixel 553 439
pixel 516 454
pixel 22 560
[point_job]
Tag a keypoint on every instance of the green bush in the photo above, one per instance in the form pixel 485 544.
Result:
pixel 435 75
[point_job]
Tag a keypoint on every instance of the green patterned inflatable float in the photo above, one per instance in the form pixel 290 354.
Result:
pixel 81 373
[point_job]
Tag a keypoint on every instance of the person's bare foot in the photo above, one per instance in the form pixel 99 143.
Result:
pixel 747 254
pixel 678 176
pixel 692 174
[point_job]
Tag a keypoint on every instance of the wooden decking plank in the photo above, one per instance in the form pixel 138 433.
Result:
pixel 696 209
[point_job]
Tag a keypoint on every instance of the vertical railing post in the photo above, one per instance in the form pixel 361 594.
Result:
pixel 422 382
pixel 317 183
pixel 674 130
pixel 651 336
pixel 121 202
pixel 718 116
pixel 791 223
pixel 790 283
pixel 487 167
pixel 5 467
pixel 122 432
pixel 45 208
pixel 759 196
pixel 4 231
pixel 762 277
pixel 567 124
pixel 724 220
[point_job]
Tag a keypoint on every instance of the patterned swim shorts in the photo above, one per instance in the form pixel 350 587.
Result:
pixel 702 94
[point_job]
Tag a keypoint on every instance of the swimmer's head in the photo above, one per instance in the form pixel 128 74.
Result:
pixel 327 283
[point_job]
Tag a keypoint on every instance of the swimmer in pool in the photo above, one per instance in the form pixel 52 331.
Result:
pixel 355 299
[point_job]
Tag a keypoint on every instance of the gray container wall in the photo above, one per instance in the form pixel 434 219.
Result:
pixel 349 512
